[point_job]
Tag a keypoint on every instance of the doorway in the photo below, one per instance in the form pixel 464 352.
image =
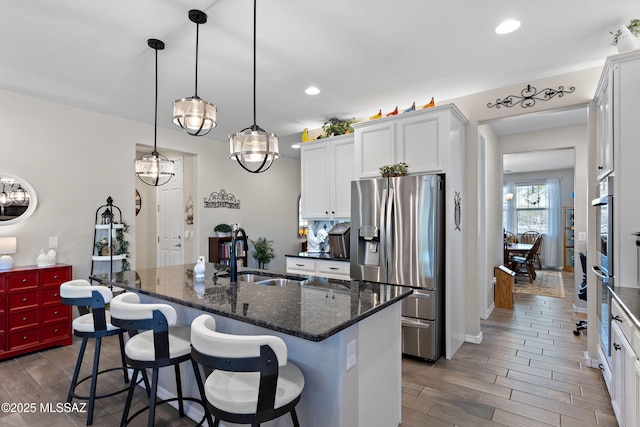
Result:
pixel 529 133
pixel 167 219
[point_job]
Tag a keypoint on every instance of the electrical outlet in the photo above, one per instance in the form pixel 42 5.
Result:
pixel 53 242
pixel 352 354
pixel 582 236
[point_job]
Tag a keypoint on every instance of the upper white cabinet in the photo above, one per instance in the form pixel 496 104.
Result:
pixel 326 172
pixel 418 138
pixel 604 125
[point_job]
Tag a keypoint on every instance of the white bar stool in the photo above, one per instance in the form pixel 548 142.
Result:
pixel 252 381
pixel 96 324
pixel 161 344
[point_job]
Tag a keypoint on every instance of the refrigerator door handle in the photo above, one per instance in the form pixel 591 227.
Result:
pixel 387 231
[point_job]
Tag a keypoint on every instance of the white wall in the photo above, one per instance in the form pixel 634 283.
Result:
pixel 76 158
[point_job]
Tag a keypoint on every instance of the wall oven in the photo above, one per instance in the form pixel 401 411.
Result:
pixel 605 260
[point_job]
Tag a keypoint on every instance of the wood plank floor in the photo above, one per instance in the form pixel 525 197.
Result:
pixel 528 371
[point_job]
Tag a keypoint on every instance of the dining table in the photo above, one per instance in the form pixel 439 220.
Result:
pixel 515 249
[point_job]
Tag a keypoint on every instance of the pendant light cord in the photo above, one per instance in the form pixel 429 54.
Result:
pixel 197 43
pixel 254 65
pixel 155 119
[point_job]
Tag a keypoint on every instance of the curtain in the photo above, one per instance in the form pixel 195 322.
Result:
pixel 510 219
pixel 552 241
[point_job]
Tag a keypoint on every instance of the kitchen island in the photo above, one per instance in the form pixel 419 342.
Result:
pixel 345 336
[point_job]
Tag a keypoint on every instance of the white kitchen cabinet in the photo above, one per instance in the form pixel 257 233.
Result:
pixel 604 128
pixel 625 375
pixel 331 269
pixel 419 138
pixel 327 168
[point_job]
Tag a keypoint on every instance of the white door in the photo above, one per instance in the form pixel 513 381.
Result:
pixel 170 222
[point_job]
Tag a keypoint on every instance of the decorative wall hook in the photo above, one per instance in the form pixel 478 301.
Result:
pixel 529 96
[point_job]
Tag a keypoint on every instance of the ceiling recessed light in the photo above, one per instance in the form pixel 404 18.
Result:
pixel 295 145
pixel 312 90
pixel 508 26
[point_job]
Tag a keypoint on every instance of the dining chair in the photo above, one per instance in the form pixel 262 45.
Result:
pixel 252 381
pixel 161 344
pixel 95 324
pixel 525 265
pixel 530 237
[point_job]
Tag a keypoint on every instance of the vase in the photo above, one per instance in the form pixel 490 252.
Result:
pixel 627 41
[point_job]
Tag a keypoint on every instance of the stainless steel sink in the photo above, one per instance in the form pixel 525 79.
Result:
pixel 251 277
pixel 277 281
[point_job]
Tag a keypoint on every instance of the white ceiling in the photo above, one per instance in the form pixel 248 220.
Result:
pixel 364 55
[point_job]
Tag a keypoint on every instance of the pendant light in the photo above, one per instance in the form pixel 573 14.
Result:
pixel 254 144
pixel 194 115
pixel 154 168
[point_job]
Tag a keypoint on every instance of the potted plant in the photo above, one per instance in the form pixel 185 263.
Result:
pixel 222 230
pixel 626 38
pixel 263 251
pixel 335 126
pixel 399 169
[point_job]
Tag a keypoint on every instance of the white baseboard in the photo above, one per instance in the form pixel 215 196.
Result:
pixel 473 339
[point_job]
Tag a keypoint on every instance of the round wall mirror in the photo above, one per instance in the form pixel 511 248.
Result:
pixel 18 199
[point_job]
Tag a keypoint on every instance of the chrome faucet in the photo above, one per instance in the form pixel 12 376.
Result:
pixel 233 265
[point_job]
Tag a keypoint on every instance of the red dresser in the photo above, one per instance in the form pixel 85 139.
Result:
pixel 31 315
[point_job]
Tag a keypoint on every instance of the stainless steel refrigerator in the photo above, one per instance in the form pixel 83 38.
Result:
pixel 397 237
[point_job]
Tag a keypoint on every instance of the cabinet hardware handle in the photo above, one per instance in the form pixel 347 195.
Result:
pixel 600 167
pixel 55 331
pixel 334 268
pixel 55 276
pixel 616 346
pixel 299 265
pixel 24 338
pixel 24 319
pixel 24 299
pixel 24 280
pixel 326 212
pixel 616 317
pixel 55 295
pixel 55 313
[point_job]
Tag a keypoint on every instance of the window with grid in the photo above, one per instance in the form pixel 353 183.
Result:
pixel 532 212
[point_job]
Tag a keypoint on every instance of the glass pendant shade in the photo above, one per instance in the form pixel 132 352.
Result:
pixel 254 145
pixel 194 115
pixel 154 169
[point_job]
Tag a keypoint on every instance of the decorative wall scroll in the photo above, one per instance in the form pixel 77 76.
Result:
pixel 189 211
pixel 457 213
pixel 529 96
pixel 221 199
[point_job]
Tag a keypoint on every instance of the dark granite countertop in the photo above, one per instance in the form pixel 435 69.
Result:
pixel 629 299
pixel 317 255
pixel 313 308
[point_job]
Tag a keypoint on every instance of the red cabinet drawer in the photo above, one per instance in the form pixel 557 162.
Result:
pixel 55 331
pixel 55 313
pixel 54 276
pixel 51 295
pixel 22 281
pixel 23 338
pixel 23 318
pixel 22 300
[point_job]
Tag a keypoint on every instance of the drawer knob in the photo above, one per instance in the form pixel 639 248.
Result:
pixel 24 280
pixel 55 295
pixel 24 338
pixel 55 276
pixel 616 317
pixel 24 299
pixel 55 331
pixel 24 319
pixel 55 313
